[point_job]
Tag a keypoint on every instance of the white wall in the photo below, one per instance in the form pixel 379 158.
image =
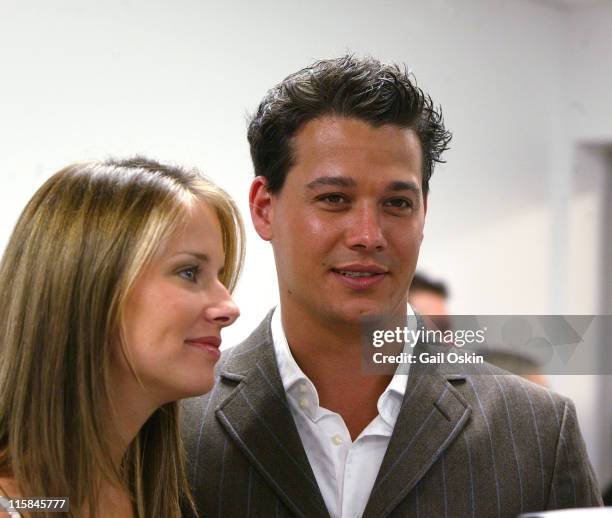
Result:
pixel 588 120
pixel 589 73
pixel 521 84
pixel 85 80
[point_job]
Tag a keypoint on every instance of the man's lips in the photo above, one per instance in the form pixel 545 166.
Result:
pixel 209 344
pixel 361 269
pixel 360 276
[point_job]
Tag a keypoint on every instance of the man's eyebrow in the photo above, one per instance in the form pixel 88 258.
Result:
pixel 403 186
pixel 338 181
pixel 347 181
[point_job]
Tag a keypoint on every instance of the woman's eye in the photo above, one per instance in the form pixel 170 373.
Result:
pixel 190 274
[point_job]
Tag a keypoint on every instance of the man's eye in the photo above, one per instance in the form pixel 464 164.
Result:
pixel 190 274
pixel 333 199
pixel 398 203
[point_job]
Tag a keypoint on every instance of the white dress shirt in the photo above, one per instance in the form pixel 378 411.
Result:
pixel 345 470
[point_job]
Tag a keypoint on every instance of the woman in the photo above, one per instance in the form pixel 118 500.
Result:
pixel 114 289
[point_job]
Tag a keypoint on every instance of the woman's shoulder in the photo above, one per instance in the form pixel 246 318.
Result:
pixel 8 490
pixel 8 486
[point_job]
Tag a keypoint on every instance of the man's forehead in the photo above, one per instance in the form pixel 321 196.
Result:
pixel 340 131
pixel 331 143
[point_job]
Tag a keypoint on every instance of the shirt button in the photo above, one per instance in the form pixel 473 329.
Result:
pixel 337 440
pixel 303 388
pixel 304 403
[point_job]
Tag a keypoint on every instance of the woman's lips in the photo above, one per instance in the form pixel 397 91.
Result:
pixel 209 344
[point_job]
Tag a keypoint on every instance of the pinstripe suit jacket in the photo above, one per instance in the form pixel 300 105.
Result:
pixel 466 445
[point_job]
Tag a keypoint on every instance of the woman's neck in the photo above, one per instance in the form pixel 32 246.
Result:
pixel 131 407
pixel 111 501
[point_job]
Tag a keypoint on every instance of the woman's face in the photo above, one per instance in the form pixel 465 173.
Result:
pixel 176 309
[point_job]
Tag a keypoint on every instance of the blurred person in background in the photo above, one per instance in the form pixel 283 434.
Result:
pixel 429 298
pixel 115 287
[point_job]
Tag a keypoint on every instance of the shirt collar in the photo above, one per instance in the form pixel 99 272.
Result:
pixel 298 385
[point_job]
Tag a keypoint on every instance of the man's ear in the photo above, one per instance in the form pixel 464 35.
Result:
pixel 260 203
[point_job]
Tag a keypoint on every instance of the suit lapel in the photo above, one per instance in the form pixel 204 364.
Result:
pixel 432 415
pixel 257 417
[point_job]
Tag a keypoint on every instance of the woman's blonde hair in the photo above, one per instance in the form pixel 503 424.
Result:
pixel 75 252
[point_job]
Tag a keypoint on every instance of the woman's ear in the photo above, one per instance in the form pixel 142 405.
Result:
pixel 260 203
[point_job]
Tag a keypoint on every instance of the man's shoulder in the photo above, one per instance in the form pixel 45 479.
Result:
pixel 487 373
pixel 495 391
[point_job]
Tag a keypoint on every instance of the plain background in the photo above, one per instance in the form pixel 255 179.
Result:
pixel 519 217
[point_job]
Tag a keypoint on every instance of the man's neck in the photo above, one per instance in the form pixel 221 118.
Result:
pixel 329 354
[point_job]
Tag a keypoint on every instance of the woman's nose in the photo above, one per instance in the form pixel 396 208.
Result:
pixel 224 310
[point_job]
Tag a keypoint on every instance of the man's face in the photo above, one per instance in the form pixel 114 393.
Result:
pixel 347 225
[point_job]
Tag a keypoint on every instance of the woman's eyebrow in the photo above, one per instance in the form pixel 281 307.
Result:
pixel 198 255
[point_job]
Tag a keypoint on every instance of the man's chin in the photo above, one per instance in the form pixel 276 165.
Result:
pixel 360 313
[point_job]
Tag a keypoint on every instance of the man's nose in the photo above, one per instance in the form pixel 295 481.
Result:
pixel 223 311
pixel 364 232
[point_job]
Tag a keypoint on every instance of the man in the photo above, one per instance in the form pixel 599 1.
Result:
pixel 343 152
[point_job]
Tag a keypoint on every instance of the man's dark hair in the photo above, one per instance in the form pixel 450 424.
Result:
pixel 421 282
pixel 365 89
